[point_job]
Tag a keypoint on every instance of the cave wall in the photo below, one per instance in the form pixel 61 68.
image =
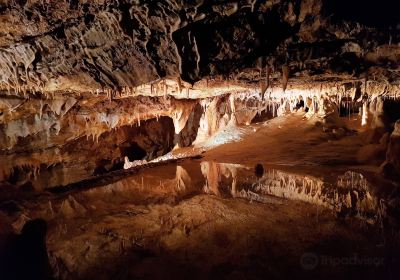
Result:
pixel 84 157
pixel 67 140
pixel 88 142
pixel 37 123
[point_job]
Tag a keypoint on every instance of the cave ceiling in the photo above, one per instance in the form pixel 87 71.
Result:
pixel 85 46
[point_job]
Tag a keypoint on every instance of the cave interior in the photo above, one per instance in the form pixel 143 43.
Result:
pixel 176 139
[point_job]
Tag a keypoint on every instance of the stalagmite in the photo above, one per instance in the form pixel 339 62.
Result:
pixel 365 114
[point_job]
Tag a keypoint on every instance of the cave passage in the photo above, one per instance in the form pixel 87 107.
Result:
pixel 226 139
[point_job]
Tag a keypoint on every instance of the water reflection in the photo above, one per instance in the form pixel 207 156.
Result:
pixel 169 204
pixel 349 195
pixel 40 170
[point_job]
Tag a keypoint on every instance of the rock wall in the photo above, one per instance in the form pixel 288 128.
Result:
pixel 38 124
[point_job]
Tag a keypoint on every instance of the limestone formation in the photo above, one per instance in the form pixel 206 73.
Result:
pixel 154 135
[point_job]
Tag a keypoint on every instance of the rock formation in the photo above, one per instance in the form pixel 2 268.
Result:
pixel 94 91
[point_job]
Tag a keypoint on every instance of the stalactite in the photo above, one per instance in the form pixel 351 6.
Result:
pixel 179 83
pixel 265 84
pixel 285 76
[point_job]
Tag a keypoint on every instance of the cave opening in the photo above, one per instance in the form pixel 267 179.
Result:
pixel 132 150
pixel 263 116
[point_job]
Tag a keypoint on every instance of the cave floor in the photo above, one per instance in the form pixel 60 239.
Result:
pixel 292 141
pixel 312 212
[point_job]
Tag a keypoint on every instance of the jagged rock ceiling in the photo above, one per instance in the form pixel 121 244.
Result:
pixel 84 46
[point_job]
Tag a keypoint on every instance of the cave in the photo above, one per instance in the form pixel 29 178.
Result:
pixel 251 139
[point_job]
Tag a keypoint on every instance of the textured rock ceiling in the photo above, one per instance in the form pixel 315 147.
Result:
pixel 83 46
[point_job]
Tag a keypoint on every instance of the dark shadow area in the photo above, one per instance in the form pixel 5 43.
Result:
pixel 391 108
pixel 299 104
pixel 372 13
pixel 263 116
pixel 348 107
pixel 132 150
pixel 24 256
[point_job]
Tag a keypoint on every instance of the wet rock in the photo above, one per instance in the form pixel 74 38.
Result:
pixel 71 208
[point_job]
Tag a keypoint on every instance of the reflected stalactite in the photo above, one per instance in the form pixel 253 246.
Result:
pixel 212 172
pixel 350 192
pixel 183 179
pixel 349 195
